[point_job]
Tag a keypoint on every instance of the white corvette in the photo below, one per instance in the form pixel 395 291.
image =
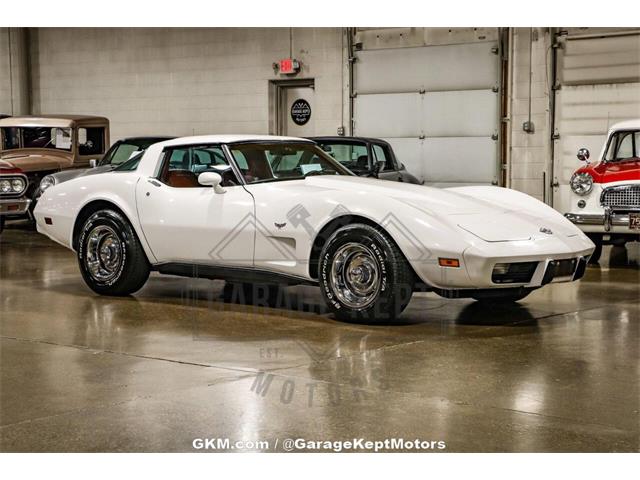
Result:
pixel 276 210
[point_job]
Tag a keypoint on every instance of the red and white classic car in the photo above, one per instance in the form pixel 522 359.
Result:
pixel 605 201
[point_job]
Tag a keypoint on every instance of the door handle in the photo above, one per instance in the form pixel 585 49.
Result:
pixel 154 182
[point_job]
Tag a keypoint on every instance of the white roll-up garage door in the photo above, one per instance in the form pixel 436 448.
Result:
pixel 599 85
pixel 438 106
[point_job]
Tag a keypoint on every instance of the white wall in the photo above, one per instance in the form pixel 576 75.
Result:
pixel 182 81
pixel 530 154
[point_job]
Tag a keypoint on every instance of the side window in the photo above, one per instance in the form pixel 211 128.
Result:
pixel 380 155
pixel 182 166
pixel 625 146
pixel 91 141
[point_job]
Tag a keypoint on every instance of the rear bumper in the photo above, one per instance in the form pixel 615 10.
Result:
pixel 14 206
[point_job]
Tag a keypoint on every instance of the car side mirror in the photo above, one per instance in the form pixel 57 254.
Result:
pixel 583 155
pixel 211 179
pixel 378 167
pixel 93 163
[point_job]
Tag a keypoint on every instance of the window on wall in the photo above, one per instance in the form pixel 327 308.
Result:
pixel 91 141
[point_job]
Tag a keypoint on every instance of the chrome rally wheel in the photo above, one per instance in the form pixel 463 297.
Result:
pixel 355 275
pixel 104 253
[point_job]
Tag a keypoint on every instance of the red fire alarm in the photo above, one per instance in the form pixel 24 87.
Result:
pixel 288 66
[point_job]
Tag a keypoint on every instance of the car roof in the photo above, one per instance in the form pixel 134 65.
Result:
pixel 203 139
pixel 626 125
pixel 340 139
pixel 160 138
pixel 60 121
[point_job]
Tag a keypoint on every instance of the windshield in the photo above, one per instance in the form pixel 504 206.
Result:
pixel 260 163
pixel 36 137
pixel 131 164
pixel 127 149
pixel 352 155
pixel 623 145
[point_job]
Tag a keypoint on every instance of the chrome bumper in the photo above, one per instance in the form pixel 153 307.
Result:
pixel 14 206
pixel 608 219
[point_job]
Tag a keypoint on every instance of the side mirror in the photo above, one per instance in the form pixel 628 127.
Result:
pixel 378 167
pixel 93 163
pixel 583 155
pixel 211 179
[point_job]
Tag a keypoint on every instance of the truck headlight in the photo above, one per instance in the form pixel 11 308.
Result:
pixel 581 183
pixel 46 182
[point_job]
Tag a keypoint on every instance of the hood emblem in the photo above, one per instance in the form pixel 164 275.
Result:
pixel 546 230
pixel 280 226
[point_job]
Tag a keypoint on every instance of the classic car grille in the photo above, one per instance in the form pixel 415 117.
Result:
pixel 622 196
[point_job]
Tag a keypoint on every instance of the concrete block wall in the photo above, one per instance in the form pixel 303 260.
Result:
pixel 182 81
pixel 530 155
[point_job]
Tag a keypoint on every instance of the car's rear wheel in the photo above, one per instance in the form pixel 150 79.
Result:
pixel 111 259
pixel 501 297
pixel 364 275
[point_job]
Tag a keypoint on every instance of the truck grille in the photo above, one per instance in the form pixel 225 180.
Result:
pixel 622 196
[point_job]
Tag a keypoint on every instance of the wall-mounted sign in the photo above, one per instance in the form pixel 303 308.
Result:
pixel 288 66
pixel 300 111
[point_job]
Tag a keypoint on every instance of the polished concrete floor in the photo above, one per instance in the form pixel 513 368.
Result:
pixel 183 359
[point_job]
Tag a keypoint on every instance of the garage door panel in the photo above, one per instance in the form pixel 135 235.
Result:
pixel 460 114
pixel 388 115
pixel 409 151
pixel 600 60
pixel 462 160
pixel 468 67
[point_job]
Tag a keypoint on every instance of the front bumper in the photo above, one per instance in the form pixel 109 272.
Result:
pixel 14 206
pixel 607 220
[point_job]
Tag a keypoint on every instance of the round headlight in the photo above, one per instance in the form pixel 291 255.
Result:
pixel 17 185
pixel 46 182
pixel 581 183
pixel 5 186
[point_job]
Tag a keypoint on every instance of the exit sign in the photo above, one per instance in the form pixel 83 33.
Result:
pixel 288 66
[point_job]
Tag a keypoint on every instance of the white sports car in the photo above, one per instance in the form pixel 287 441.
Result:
pixel 277 210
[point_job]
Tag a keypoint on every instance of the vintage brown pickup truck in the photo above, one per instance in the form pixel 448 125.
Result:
pixel 34 146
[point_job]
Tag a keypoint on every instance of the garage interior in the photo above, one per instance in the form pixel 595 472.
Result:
pixel 183 359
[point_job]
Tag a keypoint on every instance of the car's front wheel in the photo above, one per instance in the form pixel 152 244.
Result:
pixel 112 261
pixel 364 275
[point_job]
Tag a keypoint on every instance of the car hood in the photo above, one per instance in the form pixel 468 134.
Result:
pixel 35 160
pixel 490 219
pixel 606 172
pixel 83 172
